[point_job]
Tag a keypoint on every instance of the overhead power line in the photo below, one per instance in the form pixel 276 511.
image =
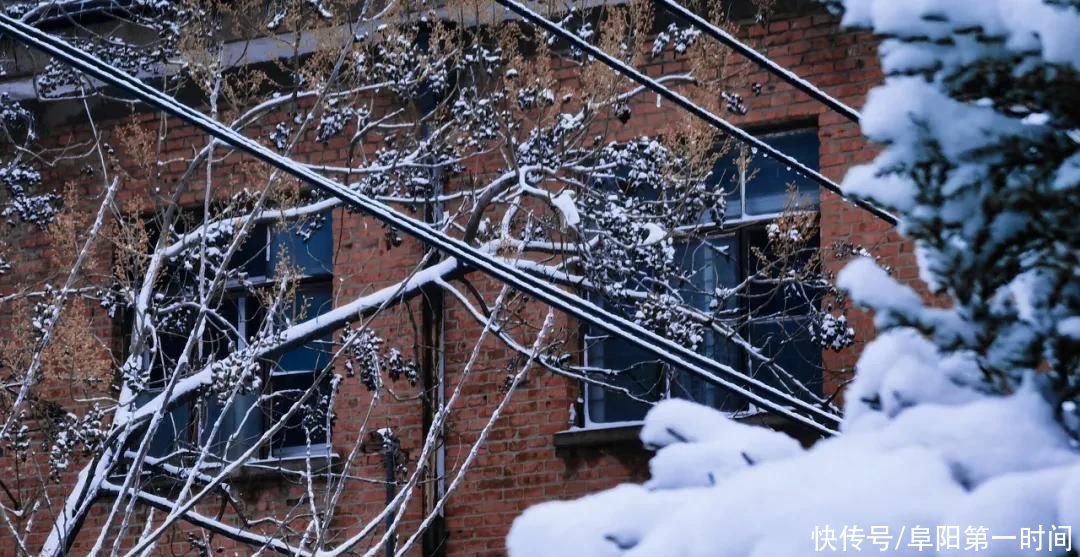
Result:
pixel 760 59
pixel 712 119
pixel 754 390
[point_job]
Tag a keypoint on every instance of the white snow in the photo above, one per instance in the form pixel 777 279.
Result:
pixel 901 369
pixel 699 446
pixel 1068 175
pixel 870 285
pixel 1069 327
pixel 1069 500
pixel 889 190
pixel 993 461
pixel 567 207
pixel 1011 503
pixel 656 233
pixel 1024 24
pixel 602 525
pixel 1023 437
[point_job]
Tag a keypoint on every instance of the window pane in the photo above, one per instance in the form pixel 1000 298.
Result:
pixel 173 332
pixel 725 175
pixel 172 432
pixel 788 342
pixel 306 245
pixel 690 386
pixel 252 256
pixel 766 188
pixel 639 374
pixel 711 264
pixel 220 339
pixel 313 355
pixel 294 372
pixel 308 422
pixel 765 295
pixel 244 419
pixel 767 180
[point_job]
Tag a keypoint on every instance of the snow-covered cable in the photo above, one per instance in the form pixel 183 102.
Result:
pixel 710 118
pixel 754 390
pixel 761 60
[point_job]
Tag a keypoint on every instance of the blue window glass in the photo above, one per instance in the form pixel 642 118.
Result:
pixel 252 257
pixel 761 187
pixel 241 426
pixel 309 424
pixel 638 373
pixel 289 375
pixel 713 264
pixel 296 371
pixel 314 355
pixel 173 429
pixel 709 264
pixel 787 342
pixel 306 246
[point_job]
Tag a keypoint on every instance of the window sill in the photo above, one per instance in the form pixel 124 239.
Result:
pixel 286 466
pixel 255 471
pixel 627 435
pixel 600 436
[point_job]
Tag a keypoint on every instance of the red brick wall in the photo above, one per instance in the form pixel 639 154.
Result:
pixel 519 465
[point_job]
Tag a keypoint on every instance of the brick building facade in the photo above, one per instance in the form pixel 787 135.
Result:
pixel 545 445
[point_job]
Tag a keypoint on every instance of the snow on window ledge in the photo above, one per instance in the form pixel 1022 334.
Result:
pixel 626 433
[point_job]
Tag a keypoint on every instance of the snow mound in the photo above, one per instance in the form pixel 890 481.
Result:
pixel 604 525
pixel 901 369
pixel 997 462
pixel 700 446
pixel 985 438
pixel 1011 503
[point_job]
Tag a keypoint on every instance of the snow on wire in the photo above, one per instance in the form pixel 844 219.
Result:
pixel 761 60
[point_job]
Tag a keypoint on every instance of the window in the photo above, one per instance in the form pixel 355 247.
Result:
pixel 241 315
pixel 759 190
pixel 771 319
